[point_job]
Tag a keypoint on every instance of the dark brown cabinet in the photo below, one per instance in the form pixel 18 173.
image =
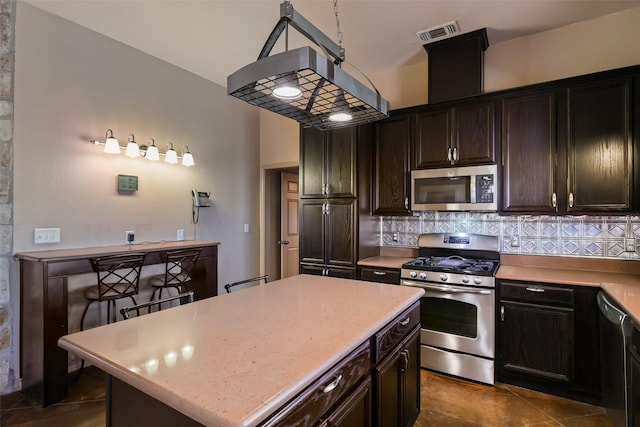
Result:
pixel 548 339
pixel 599 146
pixel 529 152
pixel 336 225
pixel 328 163
pixel 354 411
pixel 380 275
pixel 568 146
pixel 391 149
pixel 460 134
pixel 397 381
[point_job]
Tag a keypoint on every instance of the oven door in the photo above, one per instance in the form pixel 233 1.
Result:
pixel 458 318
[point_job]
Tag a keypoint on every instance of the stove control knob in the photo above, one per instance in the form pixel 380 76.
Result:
pixel 423 276
pixel 413 274
pixel 477 281
pixel 466 279
pixel 444 277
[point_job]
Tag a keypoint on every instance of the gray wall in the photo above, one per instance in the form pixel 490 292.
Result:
pixel 71 84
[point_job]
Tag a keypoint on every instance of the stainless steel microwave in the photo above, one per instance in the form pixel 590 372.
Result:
pixel 468 188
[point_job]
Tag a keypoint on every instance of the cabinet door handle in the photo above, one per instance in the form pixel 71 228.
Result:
pixel 406 203
pixel 324 189
pixel 502 313
pixel 332 385
pixel 327 189
pixel 554 201
pixel 455 154
pixel 530 289
pixel 405 322
pixel 380 273
pixel 570 200
pixel 449 154
pixel 404 361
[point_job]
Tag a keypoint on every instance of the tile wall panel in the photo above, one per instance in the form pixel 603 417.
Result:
pixel 580 236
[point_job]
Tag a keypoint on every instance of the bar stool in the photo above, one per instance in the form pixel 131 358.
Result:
pixel 118 277
pixel 178 272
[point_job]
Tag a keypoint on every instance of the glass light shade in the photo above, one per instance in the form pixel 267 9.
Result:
pixel 287 87
pixel 111 146
pixel 133 150
pixel 171 156
pixel 152 153
pixel 187 159
pixel 340 111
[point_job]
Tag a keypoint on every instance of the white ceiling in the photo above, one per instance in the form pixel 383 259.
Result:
pixel 213 38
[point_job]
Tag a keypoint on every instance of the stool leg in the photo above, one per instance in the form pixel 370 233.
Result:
pixel 84 313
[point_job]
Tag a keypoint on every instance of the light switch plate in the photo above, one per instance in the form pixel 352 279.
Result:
pixel 46 235
pixel 630 245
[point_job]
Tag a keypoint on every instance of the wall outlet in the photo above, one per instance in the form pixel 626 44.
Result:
pixel 180 235
pixel 630 245
pixel 246 228
pixel 46 235
pixel 515 242
pixel 396 236
pixel 128 237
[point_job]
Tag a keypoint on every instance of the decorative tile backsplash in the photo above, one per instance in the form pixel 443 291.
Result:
pixel 584 236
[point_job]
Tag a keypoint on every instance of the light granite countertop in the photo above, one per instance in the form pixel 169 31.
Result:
pixel 234 359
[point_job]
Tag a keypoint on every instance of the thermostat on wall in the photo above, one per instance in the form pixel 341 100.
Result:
pixel 127 183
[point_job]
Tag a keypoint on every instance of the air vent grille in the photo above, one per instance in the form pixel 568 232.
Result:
pixel 441 31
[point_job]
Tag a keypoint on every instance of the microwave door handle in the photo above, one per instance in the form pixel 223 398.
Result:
pixel 473 188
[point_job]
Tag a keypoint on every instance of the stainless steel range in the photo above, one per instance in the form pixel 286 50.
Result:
pixel 457 272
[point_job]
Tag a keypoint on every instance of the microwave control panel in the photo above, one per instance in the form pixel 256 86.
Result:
pixel 484 188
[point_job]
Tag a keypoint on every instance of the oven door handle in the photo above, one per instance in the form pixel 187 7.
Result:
pixel 448 289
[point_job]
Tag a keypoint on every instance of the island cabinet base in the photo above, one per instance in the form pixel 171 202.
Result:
pixel 127 406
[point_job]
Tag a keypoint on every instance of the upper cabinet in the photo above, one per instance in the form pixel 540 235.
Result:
pixel 392 138
pixel 327 161
pixel 599 146
pixel 568 146
pixel 460 133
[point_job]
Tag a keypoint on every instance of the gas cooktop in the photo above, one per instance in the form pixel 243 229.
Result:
pixel 453 264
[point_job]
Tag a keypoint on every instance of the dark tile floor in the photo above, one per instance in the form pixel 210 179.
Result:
pixel 446 401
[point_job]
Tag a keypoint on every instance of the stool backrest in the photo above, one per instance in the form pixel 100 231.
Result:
pixel 183 298
pixel 118 274
pixel 180 265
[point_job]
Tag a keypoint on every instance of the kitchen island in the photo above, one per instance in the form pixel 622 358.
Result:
pixel 245 358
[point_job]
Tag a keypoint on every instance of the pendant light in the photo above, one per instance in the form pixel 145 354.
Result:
pixel 340 111
pixel 270 81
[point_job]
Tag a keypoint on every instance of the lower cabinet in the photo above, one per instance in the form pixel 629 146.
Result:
pixel 379 275
pixel 397 385
pixel 548 339
pixel 378 384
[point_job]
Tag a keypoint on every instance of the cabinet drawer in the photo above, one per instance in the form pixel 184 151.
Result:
pixel 393 334
pixel 311 405
pixel 536 292
pixel 380 275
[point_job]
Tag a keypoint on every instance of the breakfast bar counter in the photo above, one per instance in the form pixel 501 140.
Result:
pixel 236 359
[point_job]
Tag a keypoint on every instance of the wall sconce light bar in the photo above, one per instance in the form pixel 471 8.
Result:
pixel 150 151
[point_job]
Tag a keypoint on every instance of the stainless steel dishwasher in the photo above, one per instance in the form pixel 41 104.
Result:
pixel 615 332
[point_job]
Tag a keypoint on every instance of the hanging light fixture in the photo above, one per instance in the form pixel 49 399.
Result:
pixel 340 111
pixel 187 157
pixel 111 145
pixel 133 150
pixel 270 81
pixel 152 151
pixel 171 156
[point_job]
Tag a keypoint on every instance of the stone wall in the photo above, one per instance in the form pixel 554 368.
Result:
pixel 7 56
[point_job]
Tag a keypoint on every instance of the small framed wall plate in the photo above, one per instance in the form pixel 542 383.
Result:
pixel 127 183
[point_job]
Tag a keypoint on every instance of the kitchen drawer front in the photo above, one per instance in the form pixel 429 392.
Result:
pixel 393 334
pixel 380 275
pixel 536 293
pixel 317 400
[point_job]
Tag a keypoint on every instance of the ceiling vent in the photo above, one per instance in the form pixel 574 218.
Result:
pixel 439 32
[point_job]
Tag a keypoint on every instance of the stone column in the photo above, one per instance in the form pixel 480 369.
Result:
pixel 7 57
